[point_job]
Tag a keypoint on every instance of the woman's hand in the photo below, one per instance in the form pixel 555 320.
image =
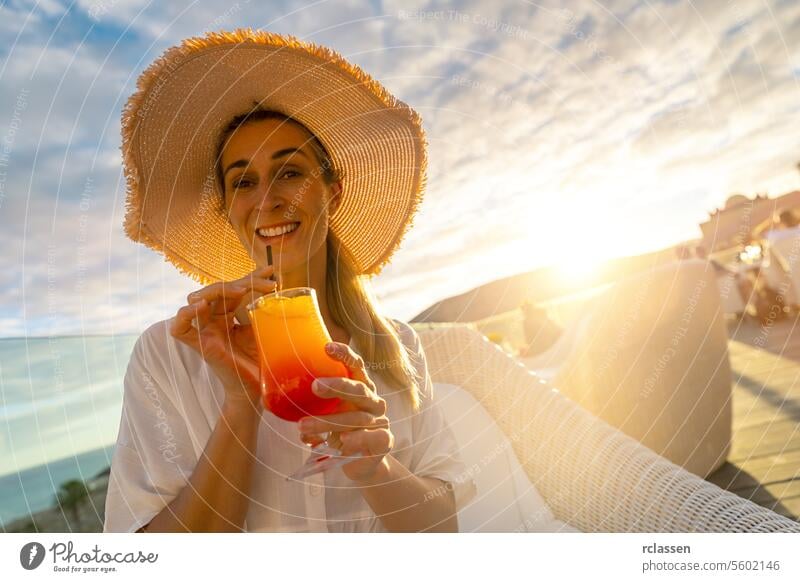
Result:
pixel 363 429
pixel 230 349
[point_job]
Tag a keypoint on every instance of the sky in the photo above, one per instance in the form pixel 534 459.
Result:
pixel 559 131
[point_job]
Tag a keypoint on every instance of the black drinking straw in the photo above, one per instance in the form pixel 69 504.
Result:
pixel 269 262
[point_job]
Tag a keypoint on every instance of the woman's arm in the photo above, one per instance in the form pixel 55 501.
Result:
pixel 407 503
pixel 401 500
pixel 217 496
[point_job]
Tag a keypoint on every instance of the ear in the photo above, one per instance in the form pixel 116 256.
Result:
pixel 336 197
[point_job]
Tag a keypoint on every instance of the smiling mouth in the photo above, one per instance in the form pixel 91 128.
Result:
pixel 274 234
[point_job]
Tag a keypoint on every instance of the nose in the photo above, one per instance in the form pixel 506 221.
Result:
pixel 270 202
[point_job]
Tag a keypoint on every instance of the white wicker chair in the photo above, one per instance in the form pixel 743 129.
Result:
pixel 651 358
pixel 592 476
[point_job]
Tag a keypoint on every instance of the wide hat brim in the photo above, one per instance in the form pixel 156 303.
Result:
pixel 172 124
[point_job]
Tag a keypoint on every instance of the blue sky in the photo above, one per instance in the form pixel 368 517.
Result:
pixel 559 131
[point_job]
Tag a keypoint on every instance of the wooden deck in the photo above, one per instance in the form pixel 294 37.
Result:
pixel 764 462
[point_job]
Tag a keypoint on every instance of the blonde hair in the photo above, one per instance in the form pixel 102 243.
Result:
pixel 348 294
pixel 352 305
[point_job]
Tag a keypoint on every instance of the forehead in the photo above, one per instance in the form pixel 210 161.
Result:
pixel 263 137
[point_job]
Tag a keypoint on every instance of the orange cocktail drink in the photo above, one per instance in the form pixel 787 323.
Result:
pixel 291 337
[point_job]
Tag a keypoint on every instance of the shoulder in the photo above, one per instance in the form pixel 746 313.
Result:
pixel 410 338
pixel 154 339
pixel 416 353
pixel 166 376
pixel 407 334
pixel 156 348
pixel 155 335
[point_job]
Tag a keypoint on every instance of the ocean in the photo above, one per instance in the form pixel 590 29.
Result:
pixel 34 489
pixel 60 406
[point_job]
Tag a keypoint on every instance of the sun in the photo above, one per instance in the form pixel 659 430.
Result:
pixel 577 268
pixel 579 255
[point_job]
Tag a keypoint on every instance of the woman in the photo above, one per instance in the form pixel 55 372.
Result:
pixel 233 142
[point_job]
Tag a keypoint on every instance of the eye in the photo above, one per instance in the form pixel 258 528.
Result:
pixel 241 182
pixel 287 172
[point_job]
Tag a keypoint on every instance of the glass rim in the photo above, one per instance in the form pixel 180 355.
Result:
pixel 290 292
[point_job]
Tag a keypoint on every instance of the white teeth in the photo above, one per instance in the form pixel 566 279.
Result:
pixel 279 230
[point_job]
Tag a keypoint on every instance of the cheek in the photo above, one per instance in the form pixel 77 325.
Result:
pixel 321 219
pixel 236 216
pixel 311 205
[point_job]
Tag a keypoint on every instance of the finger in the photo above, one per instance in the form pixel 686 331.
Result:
pixel 227 297
pixel 341 422
pixel 335 440
pixel 226 304
pixel 354 362
pixel 212 292
pixel 241 310
pixel 260 279
pixel 203 314
pixel 368 442
pixel 361 395
pixel 182 322
pixel 259 287
pixel 313 439
pixel 262 273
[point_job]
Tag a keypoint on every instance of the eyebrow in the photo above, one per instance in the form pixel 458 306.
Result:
pixel 279 154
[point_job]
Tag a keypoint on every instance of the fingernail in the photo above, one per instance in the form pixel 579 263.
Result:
pixel 304 424
pixel 319 387
pixel 330 348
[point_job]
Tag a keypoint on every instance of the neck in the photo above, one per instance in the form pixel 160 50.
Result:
pixel 314 274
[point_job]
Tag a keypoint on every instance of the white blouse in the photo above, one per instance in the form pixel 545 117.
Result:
pixel 171 404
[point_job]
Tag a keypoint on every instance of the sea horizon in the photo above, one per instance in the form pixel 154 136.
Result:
pixel 60 397
pixel 68 336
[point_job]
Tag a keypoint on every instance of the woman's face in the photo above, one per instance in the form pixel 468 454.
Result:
pixel 275 193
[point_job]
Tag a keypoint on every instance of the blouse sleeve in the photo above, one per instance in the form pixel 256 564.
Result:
pixel 435 453
pixel 153 458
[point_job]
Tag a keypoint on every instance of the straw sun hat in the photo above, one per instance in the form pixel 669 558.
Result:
pixel 172 124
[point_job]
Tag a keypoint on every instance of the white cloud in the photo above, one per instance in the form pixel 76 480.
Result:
pixel 50 8
pixel 594 114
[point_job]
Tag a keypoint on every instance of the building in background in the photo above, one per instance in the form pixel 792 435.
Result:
pixel 732 226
